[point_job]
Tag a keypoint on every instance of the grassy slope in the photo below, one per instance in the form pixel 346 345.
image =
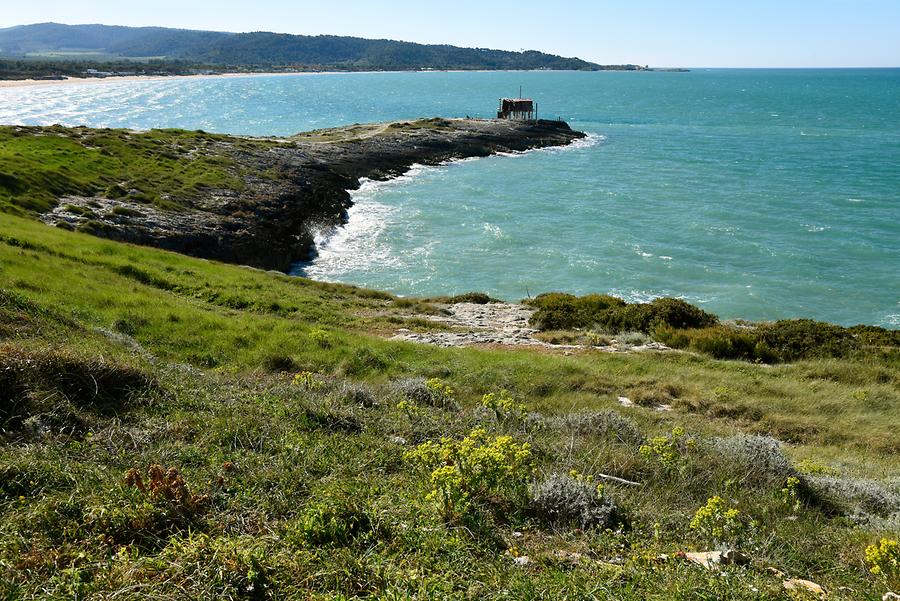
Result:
pixel 39 165
pixel 69 523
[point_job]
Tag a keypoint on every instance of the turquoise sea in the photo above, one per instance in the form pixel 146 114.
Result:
pixel 757 194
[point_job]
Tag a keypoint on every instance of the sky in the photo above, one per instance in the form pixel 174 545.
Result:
pixel 685 33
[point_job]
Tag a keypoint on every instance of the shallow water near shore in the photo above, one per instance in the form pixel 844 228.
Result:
pixel 757 194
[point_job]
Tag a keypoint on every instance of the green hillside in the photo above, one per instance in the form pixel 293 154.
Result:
pixel 178 428
pixel 220 49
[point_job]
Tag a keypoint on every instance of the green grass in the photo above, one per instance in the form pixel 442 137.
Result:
pixel 161 167
pixel 307 493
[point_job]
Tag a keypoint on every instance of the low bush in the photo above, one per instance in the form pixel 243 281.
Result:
pixel 321 338
pixel 475 471
pixel 58 386
pixel 477 298
pixel 419 391
pixel 670 451
pixel 757 459
pixel 504 407
pixel 559 311
pixel 681 325
pixel 857 495
pixel 566 500
pixel 720 524
pixel 124 211
pixel 337 518
pixel 781 341
pixel 278 363
pixel 791 340
pixel 355 393
pixel 609 424
pixel 884 558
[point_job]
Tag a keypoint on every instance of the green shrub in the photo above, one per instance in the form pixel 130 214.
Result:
pixel 791 340
pixel 60 385
pixel 277 363
pixel 338 518
pixel 559 311
pixel 321 338
pixel 124 211
pixel 504 407
pixel 477 298
pixel 724 343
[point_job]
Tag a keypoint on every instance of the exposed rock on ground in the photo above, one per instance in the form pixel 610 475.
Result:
pixel 293 187
pixel 497 323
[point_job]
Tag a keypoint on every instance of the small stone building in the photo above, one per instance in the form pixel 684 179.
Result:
pixel 522 109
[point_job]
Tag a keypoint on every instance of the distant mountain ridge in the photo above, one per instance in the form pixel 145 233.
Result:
pixel 264 48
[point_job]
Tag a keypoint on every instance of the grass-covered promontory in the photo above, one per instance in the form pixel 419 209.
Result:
pixel 252 201
pixel 172 427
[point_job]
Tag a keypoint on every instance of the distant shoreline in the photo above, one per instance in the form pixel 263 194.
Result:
pixel 25 83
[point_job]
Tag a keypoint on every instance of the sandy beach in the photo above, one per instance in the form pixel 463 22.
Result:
pixel 23 83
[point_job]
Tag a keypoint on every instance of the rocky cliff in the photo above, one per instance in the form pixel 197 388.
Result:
pixel 289 188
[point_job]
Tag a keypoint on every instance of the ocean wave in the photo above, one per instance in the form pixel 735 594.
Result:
pixel 590 139
pixel 355 245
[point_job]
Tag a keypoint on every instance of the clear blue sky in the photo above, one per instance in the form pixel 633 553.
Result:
pixel 690 33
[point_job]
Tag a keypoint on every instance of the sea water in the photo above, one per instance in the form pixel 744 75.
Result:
pixel 758 194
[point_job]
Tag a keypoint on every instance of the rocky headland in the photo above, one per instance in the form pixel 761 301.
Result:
pixel 277 192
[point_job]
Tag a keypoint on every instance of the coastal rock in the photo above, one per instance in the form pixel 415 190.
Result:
pixel 709 559
pixel 294 188
pixel 800 585
pixel 506 324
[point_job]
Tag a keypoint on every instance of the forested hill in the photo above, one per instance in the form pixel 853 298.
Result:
pixel 262 48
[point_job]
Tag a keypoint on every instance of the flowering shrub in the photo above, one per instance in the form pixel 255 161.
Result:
pixel 442 395
pixel 410 408
pixel 884 558
pixel 504 406
pixel 790 495
pixel 473 469
pixel 669 450
pixel 308 380
pixel 321 338
pixel 717 522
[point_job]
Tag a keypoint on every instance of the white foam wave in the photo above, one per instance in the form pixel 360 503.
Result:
pixel 356 245
pixel 590 139
pixel 493 230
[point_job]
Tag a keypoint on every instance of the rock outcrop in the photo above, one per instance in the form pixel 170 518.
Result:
pixel 296 186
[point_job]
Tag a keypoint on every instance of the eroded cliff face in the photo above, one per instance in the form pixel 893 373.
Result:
pixel 293 187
